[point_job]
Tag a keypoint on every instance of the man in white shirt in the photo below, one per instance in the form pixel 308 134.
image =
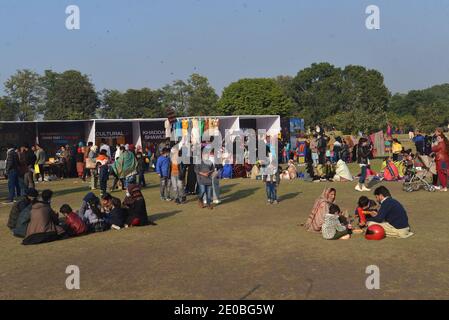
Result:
pixel 106 147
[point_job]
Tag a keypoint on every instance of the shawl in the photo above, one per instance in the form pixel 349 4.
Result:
pixel 320 208
pixel 126 165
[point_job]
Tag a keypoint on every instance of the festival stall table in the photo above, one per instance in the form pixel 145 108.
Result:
pixel 54 168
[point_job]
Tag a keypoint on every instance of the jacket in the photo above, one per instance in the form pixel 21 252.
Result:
pixel 12 160
pixel 43 225
pixel 163 166
pixel 16 210
pixel 363 153
pixel 393 212
pixel 441 152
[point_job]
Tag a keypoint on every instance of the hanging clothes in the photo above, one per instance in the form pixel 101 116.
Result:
pixel 167 129
pixel 195 136
pixel 185 127
pixel 202 124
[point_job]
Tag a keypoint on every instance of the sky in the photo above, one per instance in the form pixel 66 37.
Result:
pixel 149 43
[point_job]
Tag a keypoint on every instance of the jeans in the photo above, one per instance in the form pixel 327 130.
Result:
pixel 93 179
pixel 129 180
pixel 177 187
pixel 141 176
pixel 23 188
pixel 13 184
pixel 363 175
pixel 205 190
pixel 315 158
pixel 165 188
pixel 271 191
pixel 215 188
pixel 104 175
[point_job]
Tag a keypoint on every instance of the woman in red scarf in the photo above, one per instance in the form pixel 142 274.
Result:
pixel 441 150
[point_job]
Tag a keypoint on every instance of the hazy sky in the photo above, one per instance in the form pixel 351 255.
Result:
pixel 138 43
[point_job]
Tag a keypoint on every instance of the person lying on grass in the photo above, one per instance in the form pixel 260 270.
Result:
pixel 332 228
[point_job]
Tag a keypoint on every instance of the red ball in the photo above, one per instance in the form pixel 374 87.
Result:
pixel 375 232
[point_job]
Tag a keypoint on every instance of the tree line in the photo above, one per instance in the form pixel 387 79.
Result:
pixel 350 99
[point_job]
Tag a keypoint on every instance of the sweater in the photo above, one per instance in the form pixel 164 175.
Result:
pixel 393 212
pixel 163 166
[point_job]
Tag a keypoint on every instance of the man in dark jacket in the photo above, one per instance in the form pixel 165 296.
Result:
pixel 391 215
pixel 420 143
pixel 12 171
pixel 21 204
pixel 163 170
pixel 204 175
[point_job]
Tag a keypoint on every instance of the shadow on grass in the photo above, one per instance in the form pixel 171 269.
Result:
pixel 227 188
pixel 160 216
pixel 240 195
pixel 373 183
pixel 289 196
pixel 69 191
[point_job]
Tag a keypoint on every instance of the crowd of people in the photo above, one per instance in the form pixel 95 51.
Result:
pixel 327 161
pixel 33 218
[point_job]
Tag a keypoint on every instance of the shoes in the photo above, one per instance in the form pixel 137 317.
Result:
pixel 8 202
pixel 443 190
pixel 115 227
pixel 200 204
pixel 437 187
pixel 210 207
pixel 168 199
pixel 276 202
pixel 364 188
pixel 217 201
pixel 357 188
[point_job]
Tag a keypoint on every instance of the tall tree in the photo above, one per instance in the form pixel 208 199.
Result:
pixel 175 95
pixel 143 103
pixel 8 111
pixel 255 96
pixel 70 96
pixel 25 90
pixel 202 99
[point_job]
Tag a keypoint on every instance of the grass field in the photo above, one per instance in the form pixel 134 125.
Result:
pixel 242 249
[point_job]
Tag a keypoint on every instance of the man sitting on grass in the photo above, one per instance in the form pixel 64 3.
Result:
pixel 391 216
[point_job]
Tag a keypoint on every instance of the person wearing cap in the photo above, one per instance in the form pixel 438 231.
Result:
pixel 22 203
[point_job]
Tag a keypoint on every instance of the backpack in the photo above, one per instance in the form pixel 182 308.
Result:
pixel 22 222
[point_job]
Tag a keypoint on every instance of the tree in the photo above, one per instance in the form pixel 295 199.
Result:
pixel 317 92
pixel 143 103
pixel 25 90
pixel 8 111
pixel 202 99
pixel 70 96
pixel 255 96
pixel 328 95
pixel 175 95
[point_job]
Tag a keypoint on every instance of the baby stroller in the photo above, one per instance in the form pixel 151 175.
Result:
pixel 418 172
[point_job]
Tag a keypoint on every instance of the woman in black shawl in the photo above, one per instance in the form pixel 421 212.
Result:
pixel 137 209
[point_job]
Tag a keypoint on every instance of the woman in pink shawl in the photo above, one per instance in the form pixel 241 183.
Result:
pixel 320 208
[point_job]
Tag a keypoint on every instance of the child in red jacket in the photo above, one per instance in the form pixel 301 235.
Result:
pixel 74 225
pixel 366 208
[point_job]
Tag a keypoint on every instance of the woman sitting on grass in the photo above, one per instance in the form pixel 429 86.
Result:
pixel 320 209
pixel 137 209
pixel 332 228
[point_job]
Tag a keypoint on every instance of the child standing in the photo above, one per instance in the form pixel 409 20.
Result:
pixel 332 228
pixel 163 170
pixel 103 170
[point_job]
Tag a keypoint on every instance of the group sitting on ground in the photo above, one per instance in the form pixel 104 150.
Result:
pixel 33 219
pixel 327 218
